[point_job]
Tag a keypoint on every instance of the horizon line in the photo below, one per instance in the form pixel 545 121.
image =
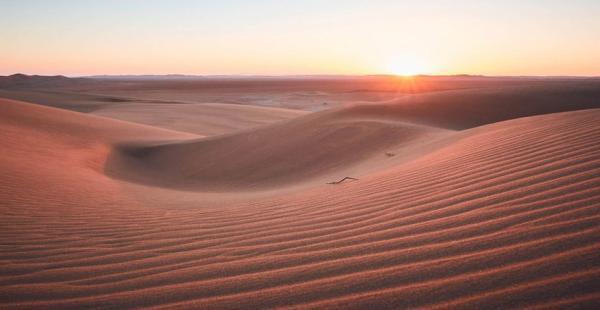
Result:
pixel 332 75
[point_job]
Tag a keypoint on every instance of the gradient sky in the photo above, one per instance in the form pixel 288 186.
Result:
pixel 507 37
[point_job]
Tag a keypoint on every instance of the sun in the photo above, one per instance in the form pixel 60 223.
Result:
pixel 408 66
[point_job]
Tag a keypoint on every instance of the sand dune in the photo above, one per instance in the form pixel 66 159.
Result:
pixel 58 156
pixel 467 108
pixel 502 215
pixel 317 147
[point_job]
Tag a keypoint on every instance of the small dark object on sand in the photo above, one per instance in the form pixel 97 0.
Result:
pixel 342 180
pixel 388 154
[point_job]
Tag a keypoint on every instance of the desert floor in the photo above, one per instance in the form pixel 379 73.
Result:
pixel 226 192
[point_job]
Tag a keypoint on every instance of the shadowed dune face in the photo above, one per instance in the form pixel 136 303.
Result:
pixel 101 213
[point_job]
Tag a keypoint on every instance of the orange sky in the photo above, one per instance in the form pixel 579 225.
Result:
pixel 302 37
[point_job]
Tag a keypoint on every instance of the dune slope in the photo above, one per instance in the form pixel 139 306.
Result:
pixel 506 215
pixel 56 157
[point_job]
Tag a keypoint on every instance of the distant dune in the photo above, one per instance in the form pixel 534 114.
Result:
pixel 20 80
pixel 486 197
pixel 207 119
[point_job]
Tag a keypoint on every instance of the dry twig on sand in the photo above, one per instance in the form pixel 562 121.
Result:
pixel 342 180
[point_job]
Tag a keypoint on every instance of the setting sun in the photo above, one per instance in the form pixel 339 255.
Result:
pixel 408 66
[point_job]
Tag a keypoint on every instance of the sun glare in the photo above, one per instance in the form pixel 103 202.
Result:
pixel 408 66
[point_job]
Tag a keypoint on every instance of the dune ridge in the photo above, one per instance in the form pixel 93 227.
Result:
pixel 502 215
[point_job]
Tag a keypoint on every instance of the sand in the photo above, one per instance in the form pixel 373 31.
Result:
pixel 456 204
pixel 206 119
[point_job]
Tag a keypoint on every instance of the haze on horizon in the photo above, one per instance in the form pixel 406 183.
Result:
pixel 532 37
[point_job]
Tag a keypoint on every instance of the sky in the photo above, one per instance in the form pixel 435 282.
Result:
pixel 281 37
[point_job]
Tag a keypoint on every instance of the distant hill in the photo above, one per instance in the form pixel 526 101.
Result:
pixel 146 77
pixel 163 77
pixel 20 80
